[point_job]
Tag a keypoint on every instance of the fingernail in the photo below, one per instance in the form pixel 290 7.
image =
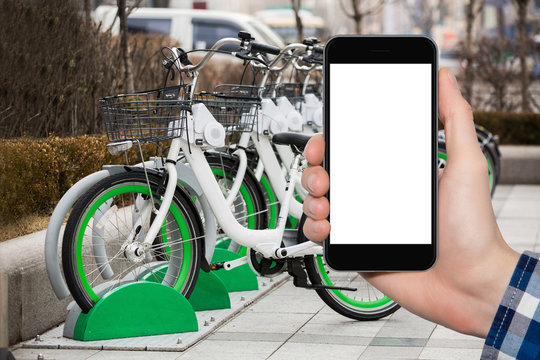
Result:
pixel 452 78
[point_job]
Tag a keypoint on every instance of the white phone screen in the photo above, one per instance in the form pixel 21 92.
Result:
pixel 380 158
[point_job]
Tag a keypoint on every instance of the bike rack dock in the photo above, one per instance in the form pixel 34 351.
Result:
pixel 208 321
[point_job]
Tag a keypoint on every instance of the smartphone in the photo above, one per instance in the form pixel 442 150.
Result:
pixel 380 106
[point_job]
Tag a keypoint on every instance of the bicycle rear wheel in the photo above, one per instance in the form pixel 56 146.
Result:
pixel 94 256
pixel 364 303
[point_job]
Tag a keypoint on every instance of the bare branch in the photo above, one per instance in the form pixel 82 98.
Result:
pixel 480 7
pixel 130 9
pixel 374 9
pixel 345 10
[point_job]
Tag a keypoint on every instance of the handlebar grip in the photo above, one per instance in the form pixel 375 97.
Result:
pixel 318 49
pixel 267 49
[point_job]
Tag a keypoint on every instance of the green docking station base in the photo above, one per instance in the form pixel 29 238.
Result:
pixel 149 308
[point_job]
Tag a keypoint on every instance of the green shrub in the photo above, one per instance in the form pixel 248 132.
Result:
pixel 35 173
pixel 512 128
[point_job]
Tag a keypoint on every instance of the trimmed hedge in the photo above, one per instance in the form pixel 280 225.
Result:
pixel 512 128
pixel 35 173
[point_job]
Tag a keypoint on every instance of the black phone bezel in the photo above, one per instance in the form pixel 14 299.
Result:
pixel 382 49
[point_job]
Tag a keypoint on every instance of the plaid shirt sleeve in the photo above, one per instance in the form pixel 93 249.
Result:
pixel 515 331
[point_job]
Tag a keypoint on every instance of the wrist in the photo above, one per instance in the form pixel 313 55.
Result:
pixel 495 277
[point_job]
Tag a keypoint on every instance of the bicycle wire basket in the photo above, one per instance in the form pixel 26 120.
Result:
pixel 147 116
pixel 236 107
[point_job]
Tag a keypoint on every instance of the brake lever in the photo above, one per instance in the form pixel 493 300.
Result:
pixel 243 54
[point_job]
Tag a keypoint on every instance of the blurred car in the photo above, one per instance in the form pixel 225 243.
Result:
pixel 283 21
pixel 194 29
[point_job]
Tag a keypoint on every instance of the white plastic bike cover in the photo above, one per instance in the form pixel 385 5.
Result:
pixel 294 118
pixel 311 104
pixel 270 113
pixel 203 126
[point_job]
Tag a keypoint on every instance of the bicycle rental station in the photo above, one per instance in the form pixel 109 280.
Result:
pixel 177 244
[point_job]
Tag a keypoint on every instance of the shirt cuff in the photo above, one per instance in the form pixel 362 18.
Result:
pixel 515 331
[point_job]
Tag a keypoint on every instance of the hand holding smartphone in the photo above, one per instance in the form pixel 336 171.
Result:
pixel 381 152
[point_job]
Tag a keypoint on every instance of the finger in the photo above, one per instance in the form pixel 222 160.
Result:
pixel 440 174
pixel 314 152
pixel 316 230
pixel 315 180
pixel 316 208
pixel 456 115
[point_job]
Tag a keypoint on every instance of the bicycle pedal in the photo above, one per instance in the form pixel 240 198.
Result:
pixel 216 266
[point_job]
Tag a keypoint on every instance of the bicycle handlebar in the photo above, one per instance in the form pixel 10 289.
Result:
pixel 318 50
pixel 267 49
pixel 206 58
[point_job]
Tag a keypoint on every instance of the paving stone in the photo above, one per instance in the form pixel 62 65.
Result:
pixel 502 191
pixel 295 351
pixel 444 333
pixel 230 350
pixel 266 322
pixel 449 354
pixel 391 341
pixel 475 343
pixel 307 303
pixel 523 192
pixel 363 330
pixel 520 208
pixel 248 336
pixel 519 231
pixel 333 318
pixel 289 289
pixel 422 332
pixel 133 355
pixel 56 354
pixel 390 352
pixel 497 205
pixel 329 339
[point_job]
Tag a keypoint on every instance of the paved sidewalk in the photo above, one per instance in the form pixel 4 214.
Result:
pixel 304 328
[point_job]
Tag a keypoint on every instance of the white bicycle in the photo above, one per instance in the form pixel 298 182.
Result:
pixel 142 225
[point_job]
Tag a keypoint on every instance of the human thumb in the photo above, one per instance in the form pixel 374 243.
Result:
pixel 456 115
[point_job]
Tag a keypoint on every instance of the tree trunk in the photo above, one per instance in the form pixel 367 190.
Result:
pixel 357 16
pixel 129 87
pixel 87 11
pixel 522 27
pixel 296 5
pixel 469 73
pixel 500 23
pixel 358 24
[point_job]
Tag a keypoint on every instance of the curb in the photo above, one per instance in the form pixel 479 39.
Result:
pixel 520 164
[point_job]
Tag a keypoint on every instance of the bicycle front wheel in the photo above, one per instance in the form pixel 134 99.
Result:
pixel 363 302
pixel 95 250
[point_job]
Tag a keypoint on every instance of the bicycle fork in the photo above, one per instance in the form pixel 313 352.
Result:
pixel 136 250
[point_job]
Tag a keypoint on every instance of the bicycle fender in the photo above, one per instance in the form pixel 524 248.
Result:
pixel 55 224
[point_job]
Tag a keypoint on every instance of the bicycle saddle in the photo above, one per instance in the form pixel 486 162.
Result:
pixel 297 141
